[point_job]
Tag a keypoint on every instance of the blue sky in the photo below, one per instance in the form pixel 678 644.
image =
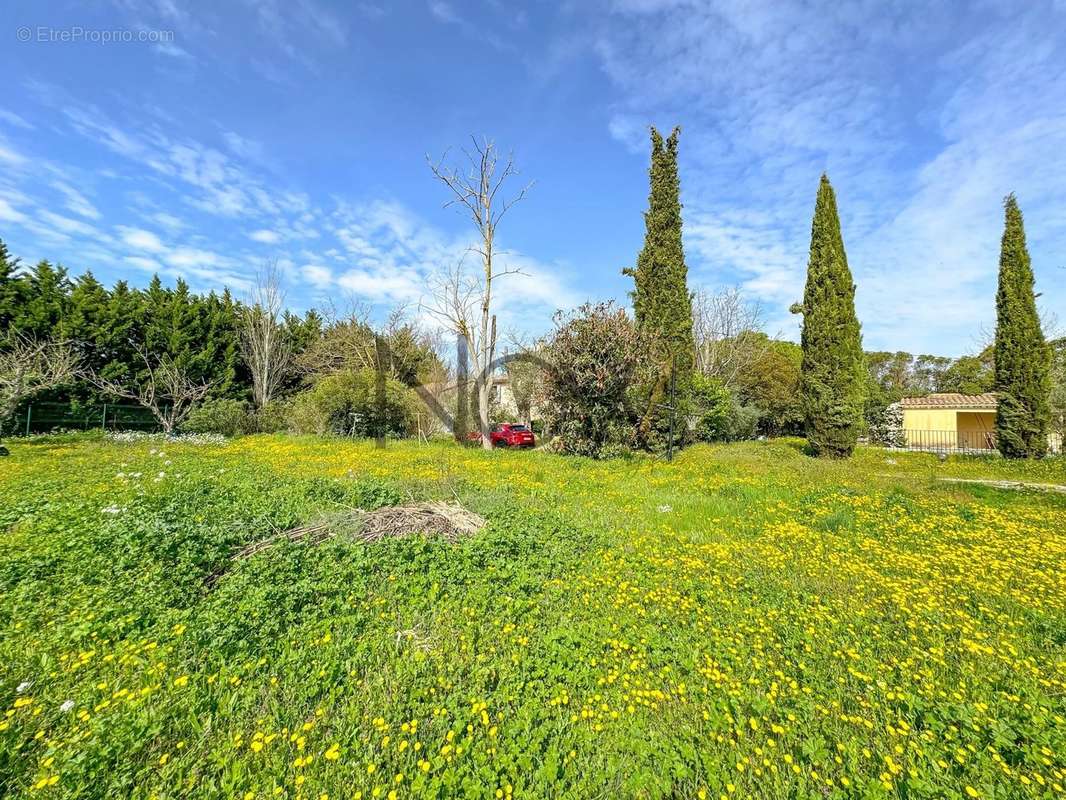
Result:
pixel 298 130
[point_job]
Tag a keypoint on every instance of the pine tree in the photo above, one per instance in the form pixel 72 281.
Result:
pixel 833 372
pixel 662 304
pixel 1022 357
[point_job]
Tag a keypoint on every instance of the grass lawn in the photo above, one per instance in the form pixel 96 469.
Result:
pixel 743 622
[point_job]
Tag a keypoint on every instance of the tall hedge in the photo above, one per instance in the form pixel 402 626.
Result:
pixel 833 370
pixel 1023 358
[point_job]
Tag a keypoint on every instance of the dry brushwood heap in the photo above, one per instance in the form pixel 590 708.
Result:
pixel 448 521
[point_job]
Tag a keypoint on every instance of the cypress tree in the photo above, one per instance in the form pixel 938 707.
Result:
pixel 1022 357
pixel 833 371
pixel 10 286
pixel 662 304
pixel 46 300
pixel 122 322
pixel 83 329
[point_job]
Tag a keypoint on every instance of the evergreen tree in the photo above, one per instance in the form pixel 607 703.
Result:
pixel 45 300
pixel 10 289
pixel 1022 357
pixel 220 352
pixel 833 371
pixel 83 328
pixel 122 331
pixel 662 304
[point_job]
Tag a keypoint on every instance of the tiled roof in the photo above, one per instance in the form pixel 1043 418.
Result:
pixel 953 400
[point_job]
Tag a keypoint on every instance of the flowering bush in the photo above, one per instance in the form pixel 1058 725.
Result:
pixel 888 430
pixel 591 363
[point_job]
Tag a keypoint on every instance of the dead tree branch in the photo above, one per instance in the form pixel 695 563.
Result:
pixel 29 366
pixel 166 391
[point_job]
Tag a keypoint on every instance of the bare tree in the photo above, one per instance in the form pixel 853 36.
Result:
pixel 346 343
pixel 462 301
pixel 29 366
pixel 166 390
pixel 725 327
pixel 265 343
pixel 350 340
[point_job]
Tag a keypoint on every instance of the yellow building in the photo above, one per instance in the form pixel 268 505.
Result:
pixel 949 421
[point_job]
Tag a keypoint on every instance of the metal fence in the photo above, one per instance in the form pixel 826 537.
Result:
pixel 975 442
pixel 47 417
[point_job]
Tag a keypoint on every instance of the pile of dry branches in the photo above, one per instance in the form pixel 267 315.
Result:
pixel 445 520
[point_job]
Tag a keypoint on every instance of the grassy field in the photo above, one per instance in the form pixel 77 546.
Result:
pixel 743 622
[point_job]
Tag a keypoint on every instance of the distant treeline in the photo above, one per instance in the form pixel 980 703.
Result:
pixel 114 330
pixel 119 334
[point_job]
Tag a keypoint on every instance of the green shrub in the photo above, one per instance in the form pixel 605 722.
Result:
pixel 591 366
pixel 345 404
pixel 225 416
pixel 711 409
pixel 742 423
pixel 272 417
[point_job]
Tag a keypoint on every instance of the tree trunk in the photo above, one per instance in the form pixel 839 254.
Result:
pixel 654 399
pixel 483 390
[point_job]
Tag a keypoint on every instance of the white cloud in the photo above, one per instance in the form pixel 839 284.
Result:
pixel 185 257
pixel 168 221
pixel 318 276
pixel 8 213
pixel 76 201
pixel 630 131
pixel 92 124
pixel 265 236
pixel 394 257
pixel 140 239
pixel 220 186
pixel 147 264
pixel 389 285
pixel 173 51
pixel 10 155
pixel 68 225
pixel 207 266
pixel 281 19
pixel 443 11
pixel 13 119
pixel 243 147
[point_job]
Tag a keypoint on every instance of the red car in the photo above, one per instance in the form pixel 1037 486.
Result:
pixel 507 434
pixel 511 434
